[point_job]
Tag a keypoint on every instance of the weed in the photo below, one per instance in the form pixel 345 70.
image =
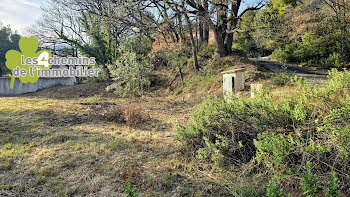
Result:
pixel 273 190
pixel 129 190
pixel 115 144
pixel 333 189
pixel 247 187
pixel 116 115
pixel 40 180
pixel 48 172
pixel 309 182
pixel 94 99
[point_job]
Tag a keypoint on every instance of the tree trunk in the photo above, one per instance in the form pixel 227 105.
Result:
pixel 221 48
pixel 196 36
pixel 179 21
pixel 220 31
pixel 193 46
pixel 193 43
pixel 201 30
pixel 205 23
pixel 232 25
pixel 206 33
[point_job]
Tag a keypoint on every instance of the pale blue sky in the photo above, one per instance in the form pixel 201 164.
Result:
pixel 19 14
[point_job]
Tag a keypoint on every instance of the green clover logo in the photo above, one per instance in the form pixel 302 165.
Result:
pixel 28 47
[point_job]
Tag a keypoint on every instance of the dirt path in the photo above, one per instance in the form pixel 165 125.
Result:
pixel 313 76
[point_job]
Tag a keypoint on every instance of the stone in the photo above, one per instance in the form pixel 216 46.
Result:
pixel 255 89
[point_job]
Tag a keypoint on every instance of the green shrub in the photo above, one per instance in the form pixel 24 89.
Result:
pixel 333 189
pixel 171 57
pixel 309 182
pixel 288 53
pixel 207 51
pixel 274 149
pixel 280 134
pixel 272 190
pixel 338 129
pixel 294 110
pixel 213 149
pixel 177 58
pixel 131 74
pixel 132 69
pixel 223 131
pixel 246 45
pixel 312 50
pixel 129 190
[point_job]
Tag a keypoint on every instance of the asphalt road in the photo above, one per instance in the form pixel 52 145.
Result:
pixel 314 77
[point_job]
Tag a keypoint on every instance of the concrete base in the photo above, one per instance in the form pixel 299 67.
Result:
pixel 21 88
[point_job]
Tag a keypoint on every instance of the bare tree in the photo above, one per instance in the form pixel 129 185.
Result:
pixel 222 17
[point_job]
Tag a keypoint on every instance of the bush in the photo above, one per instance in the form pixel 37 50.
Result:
pixel 172 56
pixel 288 53
pixel 207 51
pixel 132 115
pixel 333 189
pixel 336 125
pixel 115 115
pixel 274 150
pixel 272 190
pixel 135 115
pixel 131 74
pixel 224 131
pixel 312 50
pixel 132 69
pixel 309 184
pixel 278 134
pixel 247 46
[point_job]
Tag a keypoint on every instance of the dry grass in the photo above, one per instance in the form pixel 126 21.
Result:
pixel 83 141
pixel 54 146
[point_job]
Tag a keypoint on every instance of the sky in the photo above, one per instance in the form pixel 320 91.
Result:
pixel 19 14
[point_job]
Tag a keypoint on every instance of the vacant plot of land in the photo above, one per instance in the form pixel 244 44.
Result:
pixel 69 141
pixel 63 147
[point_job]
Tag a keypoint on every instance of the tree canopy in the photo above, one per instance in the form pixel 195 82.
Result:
pixel 8 41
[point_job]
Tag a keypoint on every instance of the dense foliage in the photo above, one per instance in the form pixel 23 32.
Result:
pixel 280 135
pixel 132 69
pixel 8 41
pixel 312 32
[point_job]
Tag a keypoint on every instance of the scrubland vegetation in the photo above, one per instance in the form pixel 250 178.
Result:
pixel 280 136
pixel 155 123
